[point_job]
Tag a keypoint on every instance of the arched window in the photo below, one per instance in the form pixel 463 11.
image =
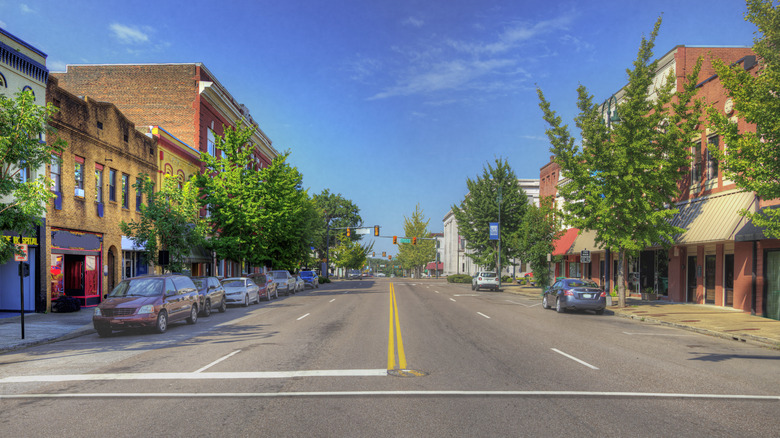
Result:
pixel 180 175
pixel 168 169
pixel 28 88
pixel 3 82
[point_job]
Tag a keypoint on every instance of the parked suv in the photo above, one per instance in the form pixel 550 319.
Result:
pixel 284 281
pixel 266 285
pixel 310 279
pixel 486 280
pixel 212 295
pixel 147 301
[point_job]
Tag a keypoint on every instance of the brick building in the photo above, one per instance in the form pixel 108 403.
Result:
pixel 186 99
pixel 93 186
pixel 720 259
pixel 23 67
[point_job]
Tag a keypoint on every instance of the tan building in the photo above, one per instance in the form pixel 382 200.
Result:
pixel 93 182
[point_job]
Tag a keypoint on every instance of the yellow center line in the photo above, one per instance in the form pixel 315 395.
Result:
pixel 394 338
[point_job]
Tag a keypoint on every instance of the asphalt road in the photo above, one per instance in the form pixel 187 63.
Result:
pixel 393 357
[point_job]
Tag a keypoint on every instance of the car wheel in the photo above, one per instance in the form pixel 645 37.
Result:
pixel 600 312
pixel 162 322
pixel 558 307
pixel 223 306
pixel 246 300
pixel 193 315
pixel 473 287
pixel 545 304
pixel 104 332
pixel 207 309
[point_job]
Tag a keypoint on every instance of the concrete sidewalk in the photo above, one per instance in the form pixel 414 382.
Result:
pixel 716 321
pixel 722 322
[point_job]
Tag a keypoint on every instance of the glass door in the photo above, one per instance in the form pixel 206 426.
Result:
pixel 728 280
pixel 709 279
pixel 691 291
pixel 773 284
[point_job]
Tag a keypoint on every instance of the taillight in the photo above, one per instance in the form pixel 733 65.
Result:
pixel 568 293
pixel 603 294
pixel 479 278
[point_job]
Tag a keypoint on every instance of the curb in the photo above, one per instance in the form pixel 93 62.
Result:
pixel 82 331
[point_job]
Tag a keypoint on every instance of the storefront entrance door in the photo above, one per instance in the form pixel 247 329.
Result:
pixel 691 295
pixel 773 284
pixel 709 279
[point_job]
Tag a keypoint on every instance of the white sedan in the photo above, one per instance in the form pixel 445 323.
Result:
pixel 241 290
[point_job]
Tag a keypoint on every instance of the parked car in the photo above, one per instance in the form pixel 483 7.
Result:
pixel 484 280
pixel 300 285
pixel 212 295
pixel 310 279
pixel 147 301
pixel 284 281
pixel 575 293
pixel 266 285
pixel 241 290
pixel 354 275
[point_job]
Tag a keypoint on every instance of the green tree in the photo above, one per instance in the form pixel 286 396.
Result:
pixel 415 257
pixel 287 219
pixel 339 212
pixel 752 159
pixel 22 123
pixel 621 182
pixel 541 227
pixel 350 254
pixel 480 207
pixel 169 221
pixel 230 190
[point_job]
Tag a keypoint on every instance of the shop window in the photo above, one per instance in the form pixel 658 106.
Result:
pixel 56 181
pixel 712 162
pixel 99 183
pixel 210 140
pixel 696 164
pixel 138 194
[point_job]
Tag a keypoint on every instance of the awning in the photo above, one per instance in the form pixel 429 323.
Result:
pixel 715 218
pixel 752 232
pixel 198 254
pixel 564 243
pixel 431 265
pixel 586 239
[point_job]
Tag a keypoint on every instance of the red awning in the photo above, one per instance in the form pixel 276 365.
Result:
pixel 432 264
pixel 564 243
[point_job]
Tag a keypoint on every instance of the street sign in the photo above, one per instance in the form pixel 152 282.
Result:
pixel 403 240
pixel 23 257
pixel 584 256
pixel 494 231
pixel 362 230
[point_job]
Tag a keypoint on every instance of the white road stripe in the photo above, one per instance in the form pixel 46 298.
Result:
pixel 585 394
pixel 196 376
pixel 304 316
pixel 217 361
pixel 480 313
pixel 453 300
pixel 332 300
pixel 574 358
pixel 436 291
pixel 658 334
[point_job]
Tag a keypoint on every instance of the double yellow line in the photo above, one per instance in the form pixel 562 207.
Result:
pixel 394 338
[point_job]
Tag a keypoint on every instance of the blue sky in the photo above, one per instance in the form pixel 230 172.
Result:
pixel 390 103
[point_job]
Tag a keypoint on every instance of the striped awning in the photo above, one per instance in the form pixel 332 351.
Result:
pixel 714 218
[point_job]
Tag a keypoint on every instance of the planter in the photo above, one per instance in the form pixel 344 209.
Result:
pixel 649 296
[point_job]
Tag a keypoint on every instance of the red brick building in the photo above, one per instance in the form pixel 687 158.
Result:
pixel 186 99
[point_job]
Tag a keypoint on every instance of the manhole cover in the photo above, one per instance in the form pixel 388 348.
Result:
pixel 406 373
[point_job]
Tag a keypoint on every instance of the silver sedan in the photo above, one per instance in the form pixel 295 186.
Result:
pixel 241 290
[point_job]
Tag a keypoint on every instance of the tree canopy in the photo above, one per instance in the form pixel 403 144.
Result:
pixel 415 256
pixel 752 158
pixel 23 198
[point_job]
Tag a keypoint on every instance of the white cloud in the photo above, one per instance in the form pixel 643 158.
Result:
pixel 414 22
pixel 3 25
pixel 26 9
pixel 128 35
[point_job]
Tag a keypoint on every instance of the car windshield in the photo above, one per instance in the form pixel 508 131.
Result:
pixel 488 274
pixel 141 287
pixel 582 283
pixel 280 275
pixel 233 283
pixel 307 274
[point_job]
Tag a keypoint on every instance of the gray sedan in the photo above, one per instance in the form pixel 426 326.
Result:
pixel 576 294
pixel 241 290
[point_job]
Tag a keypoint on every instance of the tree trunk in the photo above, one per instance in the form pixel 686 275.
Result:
pixel 620 283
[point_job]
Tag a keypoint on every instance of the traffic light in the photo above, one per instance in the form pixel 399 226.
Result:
pixel 395 240
pixel 384 253
pixel 373 254
pixel 414 241
pixel 376 230
pixel 349 233
pixel 390 257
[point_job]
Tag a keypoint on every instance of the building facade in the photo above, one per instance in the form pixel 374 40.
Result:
pixel 93 184
pixel 186 99
pixel 23 68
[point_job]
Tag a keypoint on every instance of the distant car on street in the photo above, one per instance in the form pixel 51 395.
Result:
pixel 284 281
pixel 576 294
pixel 241 290
pixel 212 294
pixel 484 280
pixel 310 279
pixel 354 275
pixel 300 285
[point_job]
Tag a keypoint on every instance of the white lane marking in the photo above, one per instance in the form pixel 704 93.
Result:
pixel 466 295
pixel 332 300
pixel 574 358
pixel 436 291
pixel 304 316
pixel 480 313
pixel 453 300
pixel 217 361
pixel 658 334
pixel 400 393
pixel 196 376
